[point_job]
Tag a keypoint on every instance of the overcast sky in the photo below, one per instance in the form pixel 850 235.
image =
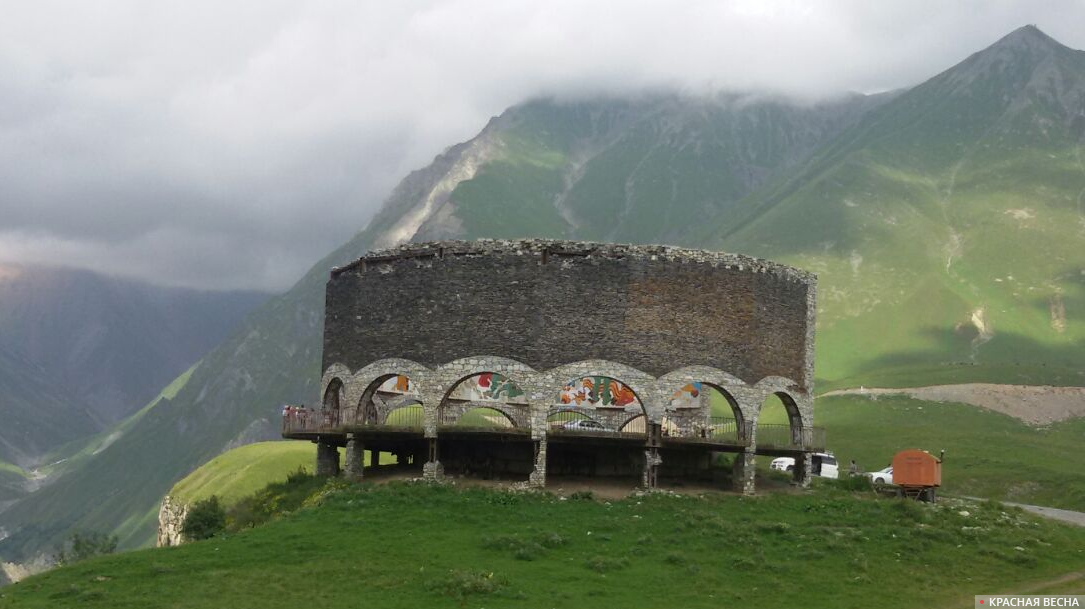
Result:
pixel 232 144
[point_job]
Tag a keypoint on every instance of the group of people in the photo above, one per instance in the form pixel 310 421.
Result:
pixel 299 416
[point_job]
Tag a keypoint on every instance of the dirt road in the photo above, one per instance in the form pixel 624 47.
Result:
pixel 1033 404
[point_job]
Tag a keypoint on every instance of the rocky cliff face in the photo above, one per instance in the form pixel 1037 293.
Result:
pixel 171 518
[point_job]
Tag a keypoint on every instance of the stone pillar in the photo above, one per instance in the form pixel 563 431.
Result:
pixel 355 458
pixel 804 467
pixel 327 459
pixel 537 479
pixel 652 461
pixel 743 472
pixel 432 470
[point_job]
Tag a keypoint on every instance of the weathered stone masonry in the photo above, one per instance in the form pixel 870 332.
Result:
pixel 542 313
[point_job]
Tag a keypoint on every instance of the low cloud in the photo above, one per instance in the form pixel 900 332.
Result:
pixel 224 145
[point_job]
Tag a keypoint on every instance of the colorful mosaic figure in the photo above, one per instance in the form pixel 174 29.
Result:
pixel 487 387
pixel 687 397
pixel 598 391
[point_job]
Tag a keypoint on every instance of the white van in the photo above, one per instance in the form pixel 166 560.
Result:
pixel 824 465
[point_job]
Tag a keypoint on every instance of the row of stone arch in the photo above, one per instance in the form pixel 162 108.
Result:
pixel 350 393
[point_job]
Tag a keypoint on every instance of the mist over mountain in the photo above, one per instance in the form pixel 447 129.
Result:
pixel 945 223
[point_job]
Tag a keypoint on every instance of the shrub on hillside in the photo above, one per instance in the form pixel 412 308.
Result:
pixel 274 500
pixel 81 546
pixel 205 519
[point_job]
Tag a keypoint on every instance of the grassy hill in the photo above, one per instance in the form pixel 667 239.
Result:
pixel 391 546
pixel 945 223
pixel 245 470
pixel 987 454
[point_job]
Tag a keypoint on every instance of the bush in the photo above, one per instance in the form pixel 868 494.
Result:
pixel 461 584
pixel 854 483
pixel 205 519
pixel 81 546
pixel 603 564
pixel 275 500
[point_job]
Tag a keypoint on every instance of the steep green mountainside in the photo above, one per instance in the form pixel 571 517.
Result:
pixel 948 227
pixel 37 414
pixel 392 546
pixel 73 471
pixel 631 171
pixel 900 238
pixel 111 342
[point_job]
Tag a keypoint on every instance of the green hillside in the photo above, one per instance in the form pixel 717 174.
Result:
pixel 987 454
pixel 946 227
pixel 37 414
pixel 12 482
pixel 244 470
pixel 945 223
pixel 391 546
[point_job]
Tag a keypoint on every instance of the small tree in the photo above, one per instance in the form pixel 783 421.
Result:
pixel 205 519
pixel 84 545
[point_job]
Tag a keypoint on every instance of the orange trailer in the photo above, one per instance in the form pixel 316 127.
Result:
pixel 917 473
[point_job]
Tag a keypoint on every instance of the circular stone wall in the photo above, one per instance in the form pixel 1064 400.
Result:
pixel 549 303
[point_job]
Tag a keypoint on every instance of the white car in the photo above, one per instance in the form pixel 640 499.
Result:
pixel 824 465
pixel 882 476
pixel 585 425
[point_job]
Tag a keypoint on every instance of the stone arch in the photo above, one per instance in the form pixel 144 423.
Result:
pixel 640 383
pixel 387 414
pixel 371 408
pixel 573 413
pixel 510 418
pixel 631 426
pixel 501 392
pixel 733 389
pixel 333 395
pixel 343 374
pixel 456 371
pixel 796 404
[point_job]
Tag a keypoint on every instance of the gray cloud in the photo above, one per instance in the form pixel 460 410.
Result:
pixel 225 145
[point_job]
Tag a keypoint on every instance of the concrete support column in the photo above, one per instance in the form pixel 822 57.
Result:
pixel 743 472
pixel 537 479
pixel 355 458
pixel 804 467
pixel 432 470
pixel 652 461
pixel 327 459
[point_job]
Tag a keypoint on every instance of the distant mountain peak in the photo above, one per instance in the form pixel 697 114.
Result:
pixel 1026 38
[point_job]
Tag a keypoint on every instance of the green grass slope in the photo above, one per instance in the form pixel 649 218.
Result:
pixel 12 482
pixel 37 414
pixel 83 469
pixel 946 226
pixel 392 546
pixel 244 470
pixel 987 454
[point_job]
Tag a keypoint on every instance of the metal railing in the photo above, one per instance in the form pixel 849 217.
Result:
pixel 479 419
pixel 714 430
pixel 568 422
pixel 782 436
pixel 297 419
pixel 405 418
